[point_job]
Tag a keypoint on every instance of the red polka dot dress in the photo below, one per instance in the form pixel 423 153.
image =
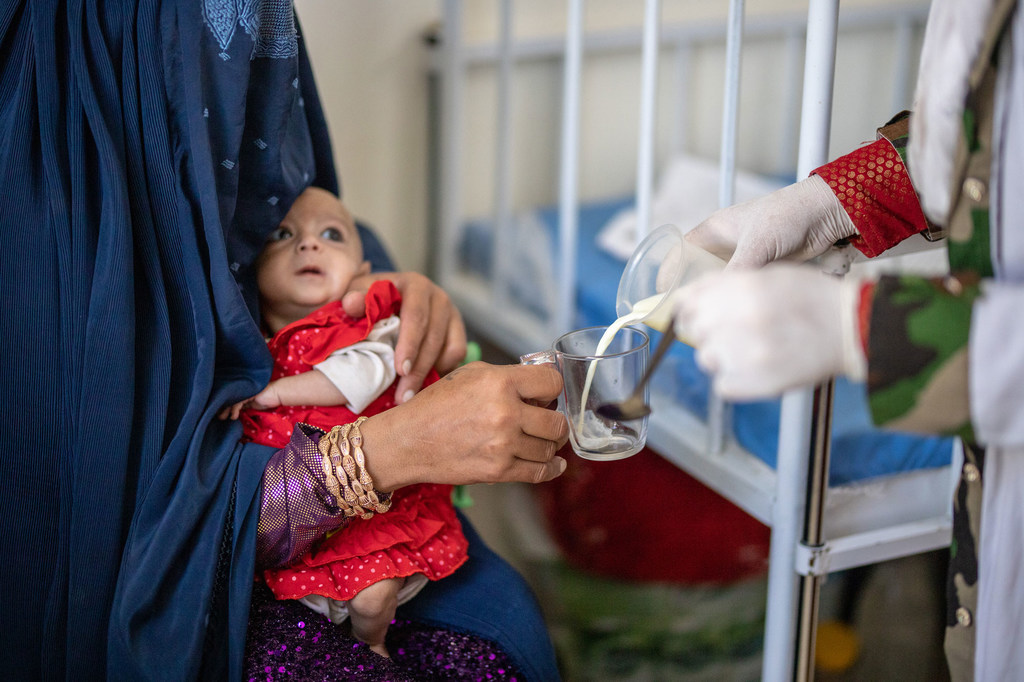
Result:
pixel 420 534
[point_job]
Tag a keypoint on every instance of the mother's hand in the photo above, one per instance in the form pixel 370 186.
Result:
pixel 479 424
pixel 432 333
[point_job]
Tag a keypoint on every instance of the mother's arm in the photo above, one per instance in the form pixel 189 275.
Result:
pixel 479 424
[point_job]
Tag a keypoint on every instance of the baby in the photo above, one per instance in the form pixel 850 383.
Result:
pixel 329 369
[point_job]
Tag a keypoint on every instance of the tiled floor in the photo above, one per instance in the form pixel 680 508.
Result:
pixel 899 622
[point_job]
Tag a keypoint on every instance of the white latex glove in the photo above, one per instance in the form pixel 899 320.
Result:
pixel 761 332
pixel 798 222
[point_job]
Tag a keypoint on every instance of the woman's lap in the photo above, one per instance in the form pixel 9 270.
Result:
pixel 286 639
pixel 429 640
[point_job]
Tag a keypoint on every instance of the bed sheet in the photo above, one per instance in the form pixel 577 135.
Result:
pixel 859 450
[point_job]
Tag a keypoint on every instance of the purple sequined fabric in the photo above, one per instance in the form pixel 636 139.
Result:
pixel 296 509
pixel 286 640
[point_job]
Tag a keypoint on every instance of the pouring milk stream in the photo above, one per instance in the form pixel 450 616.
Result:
pixel 661 263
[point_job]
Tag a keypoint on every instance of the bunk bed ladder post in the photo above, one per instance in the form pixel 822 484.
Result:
pixel 813 535
pixel 451 141
pixel 788 510
pixel 805 421
pixel 568 201
pixel 648 101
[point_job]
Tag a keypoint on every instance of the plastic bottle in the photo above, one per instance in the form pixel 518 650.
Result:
pixel 662 263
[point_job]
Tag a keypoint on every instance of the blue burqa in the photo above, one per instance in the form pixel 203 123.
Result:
pixel 147 149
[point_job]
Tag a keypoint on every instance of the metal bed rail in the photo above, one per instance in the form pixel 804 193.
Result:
pixel 792 498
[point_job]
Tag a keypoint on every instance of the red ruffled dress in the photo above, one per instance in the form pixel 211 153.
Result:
pixel 419 534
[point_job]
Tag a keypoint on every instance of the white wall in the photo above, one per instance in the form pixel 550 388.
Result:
pixel 370 63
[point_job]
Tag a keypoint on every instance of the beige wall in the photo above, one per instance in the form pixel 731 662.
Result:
pixel 370 65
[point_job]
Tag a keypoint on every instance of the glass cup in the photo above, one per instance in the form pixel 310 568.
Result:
pixel 593 375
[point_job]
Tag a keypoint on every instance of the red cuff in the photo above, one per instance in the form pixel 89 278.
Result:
pixel 873 186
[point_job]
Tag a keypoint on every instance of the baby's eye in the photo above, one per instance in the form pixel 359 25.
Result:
pixel 333 234
pixel 279 234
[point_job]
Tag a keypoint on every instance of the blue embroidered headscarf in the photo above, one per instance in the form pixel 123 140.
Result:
pixel 147 148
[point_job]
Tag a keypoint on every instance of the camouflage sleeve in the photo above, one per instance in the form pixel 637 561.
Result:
pixel 917 354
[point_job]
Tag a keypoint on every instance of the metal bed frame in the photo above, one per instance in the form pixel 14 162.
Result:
pixel 792 498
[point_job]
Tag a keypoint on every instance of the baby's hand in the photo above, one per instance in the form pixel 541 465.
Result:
pixel 267 399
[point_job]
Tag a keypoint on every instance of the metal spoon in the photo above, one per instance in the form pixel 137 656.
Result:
pixel 634 406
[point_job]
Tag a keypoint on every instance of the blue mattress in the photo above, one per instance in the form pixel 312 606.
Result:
pixel 859 450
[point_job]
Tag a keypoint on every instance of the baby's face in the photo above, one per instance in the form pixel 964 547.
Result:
pixel 311 258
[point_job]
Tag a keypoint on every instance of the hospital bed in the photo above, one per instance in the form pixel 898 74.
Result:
pixel 532 245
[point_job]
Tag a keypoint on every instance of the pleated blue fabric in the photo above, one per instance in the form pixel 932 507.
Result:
pixel 145 150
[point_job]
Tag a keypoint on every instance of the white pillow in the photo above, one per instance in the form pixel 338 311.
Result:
pixel 686 194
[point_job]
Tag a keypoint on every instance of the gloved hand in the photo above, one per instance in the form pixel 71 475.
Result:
pixel 761 332
pixel 798 222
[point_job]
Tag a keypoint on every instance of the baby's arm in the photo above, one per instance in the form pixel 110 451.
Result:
pixel 366 368
pixel 308 388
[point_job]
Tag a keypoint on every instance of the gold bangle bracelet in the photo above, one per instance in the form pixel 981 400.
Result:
pixel 344 466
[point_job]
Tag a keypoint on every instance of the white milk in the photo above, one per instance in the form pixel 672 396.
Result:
pixel 636 315
pixel 655 319
pixel 693 262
